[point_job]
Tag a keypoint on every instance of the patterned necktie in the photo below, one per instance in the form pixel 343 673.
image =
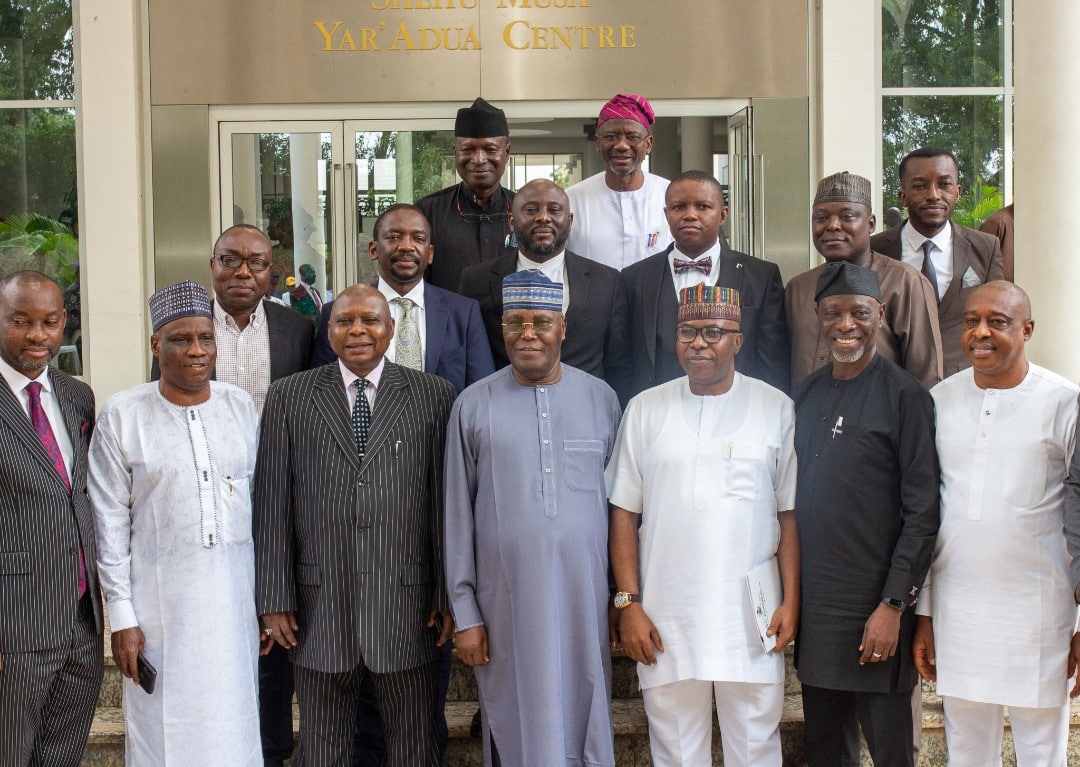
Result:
pixel 361 417
pixel 928 267
pixel 704 265
pixel 52 447
pixel 407 338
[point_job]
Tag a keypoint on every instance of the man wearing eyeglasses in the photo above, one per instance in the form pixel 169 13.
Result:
pixel 257 342
pixel 470 221
pixel 526 540
pixel 620 213
pixel 704 472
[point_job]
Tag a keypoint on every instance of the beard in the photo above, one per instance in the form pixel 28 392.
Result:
pixel 849 357
pixel 532 248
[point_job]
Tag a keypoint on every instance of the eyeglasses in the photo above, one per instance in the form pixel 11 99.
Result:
pixel 233 262
pixel 712 334
pixel 516 327
pixel 478 218
pixel 611 139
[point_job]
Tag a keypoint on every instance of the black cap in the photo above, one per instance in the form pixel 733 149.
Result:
pixel 481 120
pixel 842 278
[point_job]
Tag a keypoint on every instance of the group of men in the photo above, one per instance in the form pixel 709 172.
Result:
pixel 448 458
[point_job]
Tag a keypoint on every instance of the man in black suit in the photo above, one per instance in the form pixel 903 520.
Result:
pixel 348 523
pixel 594 301
pixel 257 342
pixel 959 258
pixel 453 345
pixel 51 658
pixel 695 211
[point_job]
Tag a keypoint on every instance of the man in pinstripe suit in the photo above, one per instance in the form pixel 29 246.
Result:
pixel 348 534
pixel 51 659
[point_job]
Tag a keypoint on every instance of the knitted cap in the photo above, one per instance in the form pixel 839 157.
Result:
pixel 843 187
pixel 184 299
pixel 708 302
pixel 531 289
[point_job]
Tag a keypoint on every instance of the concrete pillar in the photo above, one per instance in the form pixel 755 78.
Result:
pixel 112 222
pixel 695 142
pixel 1047 167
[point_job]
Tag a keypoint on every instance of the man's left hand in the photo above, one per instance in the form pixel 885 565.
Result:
pixel 447 630
pixel 881 634
pixel 785 622
pixel 1074 664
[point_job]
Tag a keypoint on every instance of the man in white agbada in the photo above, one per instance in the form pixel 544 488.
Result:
pixel 996 617
pixel 619 213
pixel 706 464
pixel 170 466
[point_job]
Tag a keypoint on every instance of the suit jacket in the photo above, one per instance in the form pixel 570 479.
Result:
pixel 356 550
pixel 42 524
pixel 971 249
pixel 290 342
pixel 765 352
pixel 455 348
pixel 596 319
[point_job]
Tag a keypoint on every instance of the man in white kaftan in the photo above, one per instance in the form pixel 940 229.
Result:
pixel 170 470
pixel 707 464
pixel 619 213
pixel 997 615
pixel 526 541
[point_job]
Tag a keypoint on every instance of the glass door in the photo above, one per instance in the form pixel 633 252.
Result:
pixel 744 179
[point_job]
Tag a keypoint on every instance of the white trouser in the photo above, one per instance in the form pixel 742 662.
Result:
pixel 973 734
pixel 680 725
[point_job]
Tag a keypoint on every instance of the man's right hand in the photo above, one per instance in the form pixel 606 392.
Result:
pixel 639 635
pixel 282 627
pixel 472 646
pixel 126 646
pixel 922 648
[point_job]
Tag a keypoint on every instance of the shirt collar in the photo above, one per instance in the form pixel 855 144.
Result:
pixel 915 240
pixel 714 251
pixel 17 381
pixel 552 265
pixel 416 295
pixel 258 316
pixel 373 378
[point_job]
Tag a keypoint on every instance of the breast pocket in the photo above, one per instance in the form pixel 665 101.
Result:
pixel 744 471
pixel 583 464
pixel 1025 484
pixel 236 492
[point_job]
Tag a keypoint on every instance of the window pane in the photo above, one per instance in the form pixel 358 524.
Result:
pixel 39 222
pixel 35 50
pixel 945 43
pixel 971 126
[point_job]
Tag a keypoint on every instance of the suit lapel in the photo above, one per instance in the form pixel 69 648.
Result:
pixel 500 267
pixel 436 315
pixel 12 413
pixel 961 258
pixel 277 342
pixel 661 275
pixel 731 273
pixel 577 275
pixel 391 400
pixel 74 425
pixel 333 406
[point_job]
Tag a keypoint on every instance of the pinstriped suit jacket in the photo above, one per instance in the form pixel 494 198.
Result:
pixel 39 533
pixel 356 550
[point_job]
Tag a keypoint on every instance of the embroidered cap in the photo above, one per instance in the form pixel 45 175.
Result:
pixel 184 299
pixel 843 187
pixel 842 278
pixel 531 289
pixel 627 106
pixel 481 120
pixel 709 302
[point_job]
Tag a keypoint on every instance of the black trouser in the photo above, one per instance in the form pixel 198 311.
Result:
pixel 833 718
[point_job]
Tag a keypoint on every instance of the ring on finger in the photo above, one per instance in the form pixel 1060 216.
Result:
pixel 268 631
pixel 876 654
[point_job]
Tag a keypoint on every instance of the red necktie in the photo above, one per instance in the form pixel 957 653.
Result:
pixel 48 440
pixel 704 265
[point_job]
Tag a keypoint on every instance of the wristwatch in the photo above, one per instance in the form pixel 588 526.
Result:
pixel 624 599
pixel 896 603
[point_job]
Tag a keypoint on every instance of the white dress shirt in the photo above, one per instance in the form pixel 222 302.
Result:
pixel 554 269
pixel 17 382
pixel 416 295
pixel 692 277
pixel 942 256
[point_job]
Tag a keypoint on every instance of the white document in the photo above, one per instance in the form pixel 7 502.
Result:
pixel 766 594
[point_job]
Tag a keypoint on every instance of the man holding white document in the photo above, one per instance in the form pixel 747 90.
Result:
pixel 706 464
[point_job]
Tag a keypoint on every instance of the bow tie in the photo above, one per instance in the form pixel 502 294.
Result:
pixel 704 265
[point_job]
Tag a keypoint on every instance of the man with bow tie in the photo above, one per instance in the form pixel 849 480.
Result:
pixel 695 211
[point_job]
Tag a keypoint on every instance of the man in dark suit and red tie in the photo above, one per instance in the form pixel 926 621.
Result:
pixel 51 659
pixel 695 211
pixel 348 523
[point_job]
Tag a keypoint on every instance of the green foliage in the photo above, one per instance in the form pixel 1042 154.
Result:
pixel 30 241
pixel 36 56
pixel 433 161
pixel 977 205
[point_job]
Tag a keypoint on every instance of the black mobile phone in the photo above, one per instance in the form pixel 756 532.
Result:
pixel 147 674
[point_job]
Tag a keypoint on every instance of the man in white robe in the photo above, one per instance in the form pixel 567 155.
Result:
pixel 705 466
pixel 170 470
pixel 996 618
pixel 526 541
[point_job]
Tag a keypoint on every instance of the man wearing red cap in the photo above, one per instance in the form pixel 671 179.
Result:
pixel 619 214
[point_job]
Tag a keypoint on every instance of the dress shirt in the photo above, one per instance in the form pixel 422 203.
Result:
pixel 243 356
pixel 554 269
pixel 17 382
pixel 373 378
pixel 942 256
pixel 692 277
pixel 416 295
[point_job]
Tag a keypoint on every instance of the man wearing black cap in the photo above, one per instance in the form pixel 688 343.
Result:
pixel 866 505
pixel 470 221
pixel 841 223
